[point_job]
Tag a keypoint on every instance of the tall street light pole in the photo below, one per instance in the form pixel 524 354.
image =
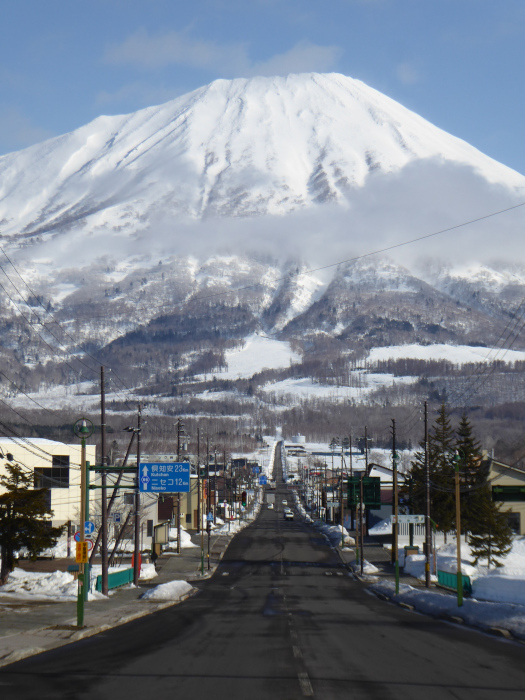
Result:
pixel 83 429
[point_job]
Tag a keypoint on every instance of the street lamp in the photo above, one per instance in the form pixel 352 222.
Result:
pixel 83 429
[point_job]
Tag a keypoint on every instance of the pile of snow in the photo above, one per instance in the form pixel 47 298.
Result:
pixel 173 590
pixel 332 532
pixel 57 586
pixel 368 567
pixel 384 527
pixel 185 538
pixel 484 615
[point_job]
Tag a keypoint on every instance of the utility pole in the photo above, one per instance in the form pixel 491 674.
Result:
pixel 104 543
pixel 208 495
pixel 136 562
pixel 344 443
pixel 428 532
pixel 180 427
pixel 114 494
pixel 199 513
pixel 459 584
pixel 395 529
pixel 361 519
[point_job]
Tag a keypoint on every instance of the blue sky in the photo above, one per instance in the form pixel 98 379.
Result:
pixel 458 63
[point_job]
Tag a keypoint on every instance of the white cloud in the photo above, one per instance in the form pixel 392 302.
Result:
pixel 407 73
pixel 141 92
pixel 304 57
pixel 228 60
pixel 17 131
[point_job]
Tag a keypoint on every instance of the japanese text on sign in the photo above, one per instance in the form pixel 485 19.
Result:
pixel 164 477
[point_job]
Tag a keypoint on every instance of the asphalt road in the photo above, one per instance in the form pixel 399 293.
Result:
pixel 281 619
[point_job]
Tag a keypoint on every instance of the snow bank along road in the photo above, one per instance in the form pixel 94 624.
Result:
pixel 280 619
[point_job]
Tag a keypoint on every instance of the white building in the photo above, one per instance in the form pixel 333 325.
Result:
pixel 53 465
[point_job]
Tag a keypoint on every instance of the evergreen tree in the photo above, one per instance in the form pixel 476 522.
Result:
pixel 471 474
pixel 441 447
pixel 491 536
pixel 24 518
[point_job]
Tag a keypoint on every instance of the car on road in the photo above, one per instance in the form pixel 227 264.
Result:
pixel 288 514
pixel 285 503
pixel 270 506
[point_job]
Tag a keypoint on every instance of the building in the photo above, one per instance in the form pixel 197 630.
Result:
pixel 52 465
pixel 507 483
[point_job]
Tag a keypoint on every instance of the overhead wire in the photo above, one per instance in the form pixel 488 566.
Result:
pixel 223 292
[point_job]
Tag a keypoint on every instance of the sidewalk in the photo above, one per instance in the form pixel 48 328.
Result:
pixel 31 627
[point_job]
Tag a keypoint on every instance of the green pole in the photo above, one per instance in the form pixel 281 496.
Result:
pixel 87 566
pixel 81 575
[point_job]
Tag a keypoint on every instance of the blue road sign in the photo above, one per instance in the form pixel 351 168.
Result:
pixel 89 528
pixel 209 517
pixel 255 470
pixel 164 477
pixel 263 480
pixel 117 517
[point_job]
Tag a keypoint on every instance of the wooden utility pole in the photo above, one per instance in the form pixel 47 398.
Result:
pixel 428 530
pixel 104 538
pixel 199 513
pixel 179 426
pixel 136 562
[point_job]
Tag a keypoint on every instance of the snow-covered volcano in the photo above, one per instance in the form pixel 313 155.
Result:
pixel 231 148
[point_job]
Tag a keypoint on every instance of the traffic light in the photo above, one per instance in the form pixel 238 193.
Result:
pixel 243 498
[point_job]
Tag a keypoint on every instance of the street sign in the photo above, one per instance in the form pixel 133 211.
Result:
pixel 89 528
pixel 117 517
pixel 164 477
pixel 209 517
pixel 76 536
pixel 90 544
pixel 371 491
pixel 255 470
pixel 411 519
pixel 263 480
pixel 81 555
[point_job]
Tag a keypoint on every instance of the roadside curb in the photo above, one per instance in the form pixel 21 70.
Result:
pixel 54 642
pixel 454 619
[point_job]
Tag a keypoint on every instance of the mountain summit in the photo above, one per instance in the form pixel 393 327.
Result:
pixel 231 148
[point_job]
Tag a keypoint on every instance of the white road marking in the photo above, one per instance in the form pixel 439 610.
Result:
pixel 297 652
pixel 306 686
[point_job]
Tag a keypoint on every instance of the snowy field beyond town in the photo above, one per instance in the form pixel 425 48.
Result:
pixel 457 354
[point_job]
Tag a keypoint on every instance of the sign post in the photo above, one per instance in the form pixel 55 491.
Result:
pixel 83 428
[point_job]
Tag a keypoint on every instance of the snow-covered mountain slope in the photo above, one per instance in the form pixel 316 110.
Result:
pixel 231 148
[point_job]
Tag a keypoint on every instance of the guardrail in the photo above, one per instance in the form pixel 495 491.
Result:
pixel 450 581
pixel 116 579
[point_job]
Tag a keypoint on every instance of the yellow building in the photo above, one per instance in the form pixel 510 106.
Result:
pixel 508 490
pixel 53 465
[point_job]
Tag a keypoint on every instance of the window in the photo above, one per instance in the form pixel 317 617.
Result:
pixel 55 477
pixel 508 494
pixel 129 499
